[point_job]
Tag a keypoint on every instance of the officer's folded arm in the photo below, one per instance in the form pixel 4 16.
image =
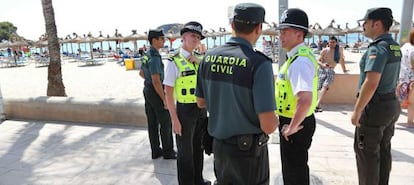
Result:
pixel 304 102
pixel 201 103
pixel 268 122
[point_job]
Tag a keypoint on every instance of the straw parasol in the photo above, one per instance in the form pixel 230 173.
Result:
pixel 134 37
pixel 117 37
pixel 395 28
pixel 9 44
pixel 346 31
pixel 331 30
pixel 100 39
pixel 88 39
pixel 173 28
pixel 316 29
pixel 270 31
pixel 358 29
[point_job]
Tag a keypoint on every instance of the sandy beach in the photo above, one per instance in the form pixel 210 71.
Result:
pixel 109 80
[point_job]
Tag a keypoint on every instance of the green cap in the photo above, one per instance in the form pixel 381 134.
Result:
pixel 249 13
pixel 155 33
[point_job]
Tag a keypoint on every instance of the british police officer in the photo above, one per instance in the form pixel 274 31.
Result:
pixel 296 97
pixel 187 119
pixel 377 108
pixel 236 85
pixel 159 122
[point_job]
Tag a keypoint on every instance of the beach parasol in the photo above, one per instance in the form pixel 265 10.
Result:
pixel 222 33
pixel 40 43
pixel 270 31
pixel 171 31
pixel 346 31
pixel 207 35
pixel 67 40
pixel 214 35
pixel 134 37
pixel 100 39
pixel 316 29
pixel 173 28
pixel 331 30
pixel 88 39
pixel 117 37
pixel 13 44
pixel 358 29
pixel 395 28
pixel 273 33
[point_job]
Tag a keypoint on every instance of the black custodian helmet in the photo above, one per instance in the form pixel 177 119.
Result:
pixel 294 18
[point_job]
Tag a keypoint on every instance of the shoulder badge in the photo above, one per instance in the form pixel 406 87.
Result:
pixel 259 52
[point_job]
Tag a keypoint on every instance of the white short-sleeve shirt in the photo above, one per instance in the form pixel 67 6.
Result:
pixel 301 72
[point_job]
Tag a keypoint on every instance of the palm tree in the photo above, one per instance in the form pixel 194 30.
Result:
pixel 55 86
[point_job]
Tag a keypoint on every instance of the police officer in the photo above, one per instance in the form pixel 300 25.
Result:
pixel 187 119
pixel 296 97
pixel 236 84
pixel 159 122
pixel 376 109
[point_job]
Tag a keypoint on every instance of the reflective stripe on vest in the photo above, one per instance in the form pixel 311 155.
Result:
pixel 285 99
pixel 187 80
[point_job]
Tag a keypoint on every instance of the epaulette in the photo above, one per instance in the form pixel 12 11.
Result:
pixel 196 53
pixel 261 53
pixel 173 55
pixel 176 53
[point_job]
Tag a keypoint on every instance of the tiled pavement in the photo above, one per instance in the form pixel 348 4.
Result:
pixel 61 153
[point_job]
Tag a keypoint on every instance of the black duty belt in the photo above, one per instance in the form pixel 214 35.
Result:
pixel 383 97
pixel 259 139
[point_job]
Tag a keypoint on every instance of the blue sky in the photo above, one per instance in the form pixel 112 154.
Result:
pixel 83 16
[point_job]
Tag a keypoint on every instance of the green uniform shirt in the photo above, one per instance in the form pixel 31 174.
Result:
pixel 383 56
pixel 154 65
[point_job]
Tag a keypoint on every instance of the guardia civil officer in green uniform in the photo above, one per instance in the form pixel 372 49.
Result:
pixel 376 109
pixel 236 84
pixel 159 122
pixel 296 97
pixel 187 119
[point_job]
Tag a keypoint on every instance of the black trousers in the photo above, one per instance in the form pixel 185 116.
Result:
pixel 159 123
pixel 294 153
pixel 236 167
pixel 372 141
pixel 190 157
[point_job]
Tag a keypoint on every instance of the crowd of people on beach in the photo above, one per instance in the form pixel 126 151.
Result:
pixel 239 78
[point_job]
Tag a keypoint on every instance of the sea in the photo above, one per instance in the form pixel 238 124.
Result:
pixel 209 42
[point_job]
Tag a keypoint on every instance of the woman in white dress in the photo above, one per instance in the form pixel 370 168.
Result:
pixel 405 89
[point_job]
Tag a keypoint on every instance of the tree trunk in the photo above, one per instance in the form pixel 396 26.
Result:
pixel 55 86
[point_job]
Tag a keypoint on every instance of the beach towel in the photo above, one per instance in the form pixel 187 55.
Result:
pixel 336 54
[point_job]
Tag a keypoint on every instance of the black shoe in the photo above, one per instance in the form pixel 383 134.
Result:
pixel 156 154
pixel 318 109
pixel 172 155
pixel 206 182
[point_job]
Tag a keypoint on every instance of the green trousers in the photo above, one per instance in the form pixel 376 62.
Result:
pixel 159 123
